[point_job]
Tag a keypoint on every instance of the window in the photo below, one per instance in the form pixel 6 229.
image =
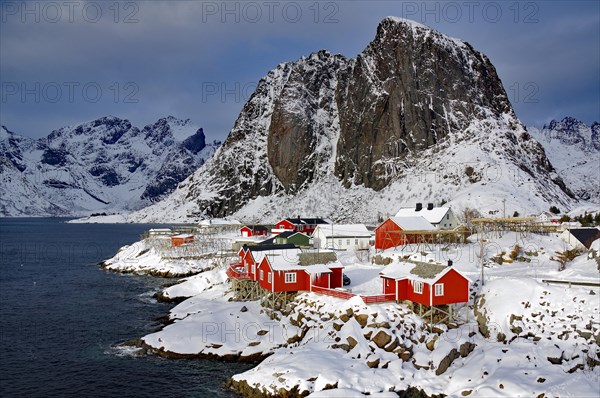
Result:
pixel 290 277
pixel 387 282
pixel 254 269
pixel 262 275
pixel 439 289
pixel 347 242
pixel 447 216
pixel 418 287
pixel 356 242
pixel 269 277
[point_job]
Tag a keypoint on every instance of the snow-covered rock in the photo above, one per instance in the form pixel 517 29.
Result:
pixel 574 150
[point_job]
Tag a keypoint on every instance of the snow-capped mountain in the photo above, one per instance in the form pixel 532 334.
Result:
pixel 573 147
pixel 102 165
pixel 416 117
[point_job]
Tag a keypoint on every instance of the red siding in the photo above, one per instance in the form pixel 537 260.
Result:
pixel 278 279
pixel 380 235
pixel 321 280
pixel 456 289
pixel 421 298
pixel 337 278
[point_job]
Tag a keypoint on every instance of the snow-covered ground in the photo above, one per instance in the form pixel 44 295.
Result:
pixel 156 256
pixel 523 337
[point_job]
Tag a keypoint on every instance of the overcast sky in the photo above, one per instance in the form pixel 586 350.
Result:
pixel 66 62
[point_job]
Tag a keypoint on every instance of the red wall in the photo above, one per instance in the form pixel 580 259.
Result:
pixel 422 298
pixel 456 289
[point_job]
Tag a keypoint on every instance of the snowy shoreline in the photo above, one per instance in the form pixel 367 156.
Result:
pixel 528 340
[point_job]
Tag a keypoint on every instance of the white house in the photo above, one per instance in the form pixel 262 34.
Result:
pixel 342 236
pixel 439 217
pixel 547 217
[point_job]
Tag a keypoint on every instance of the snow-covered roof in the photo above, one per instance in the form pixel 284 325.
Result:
pixel 595 245
pixel 434 216
pixel 183 236
pixel 344 230
pixel 159 230
pixel 423 272
pixel 413 223
pixel 317 269
pixel 281 260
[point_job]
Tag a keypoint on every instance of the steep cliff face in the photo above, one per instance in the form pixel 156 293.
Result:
pixel 413 97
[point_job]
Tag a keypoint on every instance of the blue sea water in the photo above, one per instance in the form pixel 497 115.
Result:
pixel 62 317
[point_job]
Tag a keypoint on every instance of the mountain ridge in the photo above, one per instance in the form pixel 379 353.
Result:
pixel 363 129
pixel 105 164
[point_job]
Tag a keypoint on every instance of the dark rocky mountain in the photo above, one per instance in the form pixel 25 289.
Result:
pixel 102 165
pixel 341 137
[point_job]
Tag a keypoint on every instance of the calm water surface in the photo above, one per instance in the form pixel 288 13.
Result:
pixel 61 318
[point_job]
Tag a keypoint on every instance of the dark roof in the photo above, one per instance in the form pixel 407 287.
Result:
pixel 261 247
pixel 257 227
pixel 302 220
pixel 285 234
pixel 585 235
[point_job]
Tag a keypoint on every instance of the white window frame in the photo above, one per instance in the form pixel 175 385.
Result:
pixel 418 287
pixel 269 277
pixel 254 269
pixel 356 242
pixel 262 274
pixel 290 277
pixel 439 289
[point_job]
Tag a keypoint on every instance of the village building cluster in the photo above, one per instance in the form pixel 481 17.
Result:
pixel 300 254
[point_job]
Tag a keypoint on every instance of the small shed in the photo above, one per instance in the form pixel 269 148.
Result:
pixel 181 239
pixel 424 283
pixel 253 230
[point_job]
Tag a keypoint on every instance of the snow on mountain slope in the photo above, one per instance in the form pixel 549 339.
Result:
pixel 102 165
pixel 416 117
pixel 574 149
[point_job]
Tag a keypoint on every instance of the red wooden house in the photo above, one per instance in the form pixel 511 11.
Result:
pixel 277 273
pixel 253 230
pixel 276 268
pixel 299 224
pixel 387 236
pixel 181 239
pixel 251 256
pixel 427 284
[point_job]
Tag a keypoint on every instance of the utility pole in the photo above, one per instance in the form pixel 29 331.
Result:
pixel 504 208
